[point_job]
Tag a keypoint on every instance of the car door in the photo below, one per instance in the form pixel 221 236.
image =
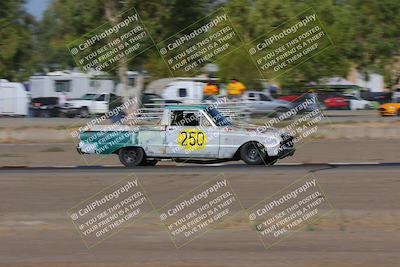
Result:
pixel 256 104
pixel 353 102
pixel 101 104
pixel 264 103
pixel 192 133
pixel 252 101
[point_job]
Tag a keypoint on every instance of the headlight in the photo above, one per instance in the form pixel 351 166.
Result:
pixel 391 107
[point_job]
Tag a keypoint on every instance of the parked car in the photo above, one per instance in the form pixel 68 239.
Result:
pixel 380 97
pixel 390 109
pixel 261 103
pixel 296 100
pixel 396 95
pixel 289 98
pixel 195 134
pixel 89 104
pixel 356 102
pixel 44 107
pixel 336 103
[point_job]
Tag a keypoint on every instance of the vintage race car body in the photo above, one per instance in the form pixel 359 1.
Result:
pixel 209 135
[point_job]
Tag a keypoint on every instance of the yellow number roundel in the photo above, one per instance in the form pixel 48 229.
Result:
pixel 192 139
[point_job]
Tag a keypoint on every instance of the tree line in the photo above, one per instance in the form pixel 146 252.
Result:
pixel 366 34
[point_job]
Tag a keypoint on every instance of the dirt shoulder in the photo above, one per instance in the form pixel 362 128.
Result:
pixel 363 229
pixel 43 133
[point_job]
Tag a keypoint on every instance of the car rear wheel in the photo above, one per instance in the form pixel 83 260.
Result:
pixel 131 156
pixel 252 153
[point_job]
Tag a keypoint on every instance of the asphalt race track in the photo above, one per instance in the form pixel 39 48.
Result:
pixel 220 167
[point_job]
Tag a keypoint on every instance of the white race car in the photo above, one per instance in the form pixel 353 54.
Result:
pixel 189 133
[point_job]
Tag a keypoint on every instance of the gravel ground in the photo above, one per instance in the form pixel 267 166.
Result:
pixel 363 230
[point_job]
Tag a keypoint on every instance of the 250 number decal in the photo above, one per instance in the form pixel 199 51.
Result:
pixel 192 139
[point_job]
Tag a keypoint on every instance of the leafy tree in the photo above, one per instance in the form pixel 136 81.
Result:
pixel 63 22
pixel 16 50
pixel 377 30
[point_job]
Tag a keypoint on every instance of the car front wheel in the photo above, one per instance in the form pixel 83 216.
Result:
pixel 131 156
pixel 252 153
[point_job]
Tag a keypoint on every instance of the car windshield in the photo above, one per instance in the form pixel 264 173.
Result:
pixel 88 97
pixel 217 117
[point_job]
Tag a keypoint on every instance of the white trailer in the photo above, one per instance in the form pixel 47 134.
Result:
pixel 187 90
pixel 14 99
pixel 73 84
pixel 77 84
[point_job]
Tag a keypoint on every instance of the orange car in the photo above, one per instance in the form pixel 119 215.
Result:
pixel 390 109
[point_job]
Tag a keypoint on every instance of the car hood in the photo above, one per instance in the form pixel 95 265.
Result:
pixel 387 105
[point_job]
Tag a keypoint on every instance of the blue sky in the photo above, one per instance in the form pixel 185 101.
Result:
pixel 36 7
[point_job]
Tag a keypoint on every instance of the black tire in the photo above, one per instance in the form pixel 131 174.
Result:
pixel 84 112
pixel 131 156
pixel 252 153
pixel 150 162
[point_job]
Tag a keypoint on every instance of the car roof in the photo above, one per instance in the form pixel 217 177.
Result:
pixel 186 107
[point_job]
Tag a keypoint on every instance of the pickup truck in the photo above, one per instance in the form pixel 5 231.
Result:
pixel 187 133
pixel 89 104
pixel 262 103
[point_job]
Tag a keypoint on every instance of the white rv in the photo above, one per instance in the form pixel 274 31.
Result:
pixel 185 90
pixel 73 84
pixel 77 84
pixel 14 99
